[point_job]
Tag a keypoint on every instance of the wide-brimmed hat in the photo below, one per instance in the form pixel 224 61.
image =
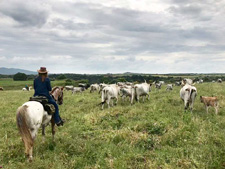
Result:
pixel 42 70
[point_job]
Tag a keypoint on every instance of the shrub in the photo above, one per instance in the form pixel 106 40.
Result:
pixel 20 77
pixel 69 82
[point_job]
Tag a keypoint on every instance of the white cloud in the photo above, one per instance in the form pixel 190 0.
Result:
pixel 113 36
pixel 3 58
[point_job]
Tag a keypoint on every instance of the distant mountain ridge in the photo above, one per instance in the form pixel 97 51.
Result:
pixel 12 71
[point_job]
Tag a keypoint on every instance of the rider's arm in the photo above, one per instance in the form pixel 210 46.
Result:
pixel 48 85
pixel 34 85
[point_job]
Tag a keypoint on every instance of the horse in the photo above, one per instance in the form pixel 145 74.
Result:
pixel 25 89
pixel 31 116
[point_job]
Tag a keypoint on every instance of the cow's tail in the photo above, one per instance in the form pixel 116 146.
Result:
pixel 192 92
pixel 21 119
pixel 135 93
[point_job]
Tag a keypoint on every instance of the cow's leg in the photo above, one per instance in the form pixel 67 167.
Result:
pixel 112 100
pixel 138 98
pixel 43 133
pixel 191 106
pixel 123 98
pixel 53 129
pixel 108 102
pixel 207 109
pixel 131 100
pixel 116 100
pixel 216 109
pixel 186 104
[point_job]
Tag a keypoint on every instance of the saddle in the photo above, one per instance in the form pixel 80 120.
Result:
pixel 44 101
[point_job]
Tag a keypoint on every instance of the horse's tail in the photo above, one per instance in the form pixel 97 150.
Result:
pixel 21 119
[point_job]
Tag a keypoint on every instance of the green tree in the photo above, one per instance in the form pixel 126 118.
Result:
pixel 20 77
pixel 69 82
pixel 61 77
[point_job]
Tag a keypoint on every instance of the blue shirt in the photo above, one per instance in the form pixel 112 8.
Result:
pixel 42 88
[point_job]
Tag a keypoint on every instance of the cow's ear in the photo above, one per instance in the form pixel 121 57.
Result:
pixel 200 97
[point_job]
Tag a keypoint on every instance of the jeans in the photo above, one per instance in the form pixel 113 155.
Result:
pixel 56 114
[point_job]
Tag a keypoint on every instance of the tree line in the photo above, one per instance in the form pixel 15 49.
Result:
pixel 114 78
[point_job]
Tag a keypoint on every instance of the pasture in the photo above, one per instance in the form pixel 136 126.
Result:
pixel 154 134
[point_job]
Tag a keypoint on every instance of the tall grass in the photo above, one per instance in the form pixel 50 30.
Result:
pixel 154 134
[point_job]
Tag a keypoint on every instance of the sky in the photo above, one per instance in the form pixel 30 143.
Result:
pixel 105 36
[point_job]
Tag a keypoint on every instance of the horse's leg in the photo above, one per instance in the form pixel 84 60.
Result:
pixel 31 154
pixel 30 144
pixel 43 133
pixel 53 129
pixel 26 148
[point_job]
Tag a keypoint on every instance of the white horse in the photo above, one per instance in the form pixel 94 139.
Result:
pixel 31 116
pixel 25 89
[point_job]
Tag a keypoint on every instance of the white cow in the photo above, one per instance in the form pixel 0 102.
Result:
pixel 200 81
pixel 158 85
pixel 69 87
pixel 78 89
pixel 178 83
pixel 162 82
pixel 128 83
pixel 169 87
pixel 84 85
pixel 142 89
pixel 25 89
pixel 128 91
pixel 102 85
pixel 187 81
pixel 219 80
pixel 120 84
pixel 188 94
pixel 108 93
pixel 94 87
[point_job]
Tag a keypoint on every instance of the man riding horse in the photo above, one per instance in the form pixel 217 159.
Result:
pixel 42 87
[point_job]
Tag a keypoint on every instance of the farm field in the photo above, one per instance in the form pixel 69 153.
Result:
pixel 154 134
pixel 10 84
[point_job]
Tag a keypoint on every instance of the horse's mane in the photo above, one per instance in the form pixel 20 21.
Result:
pixel 54 88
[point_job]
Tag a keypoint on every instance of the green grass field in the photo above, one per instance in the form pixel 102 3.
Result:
pixel 154 134
pixel 10 84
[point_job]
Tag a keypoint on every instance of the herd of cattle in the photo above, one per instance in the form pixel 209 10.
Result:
pixel 188 92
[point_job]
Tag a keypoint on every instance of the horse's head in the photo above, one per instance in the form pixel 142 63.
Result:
pixel 57 93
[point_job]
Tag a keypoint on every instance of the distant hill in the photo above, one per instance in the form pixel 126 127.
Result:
pixel 12 71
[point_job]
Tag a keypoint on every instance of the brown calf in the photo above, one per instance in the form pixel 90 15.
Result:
pixel 210 101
